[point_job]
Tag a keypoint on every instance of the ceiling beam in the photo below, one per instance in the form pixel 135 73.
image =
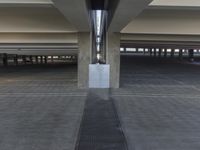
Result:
pixel 176 3
pixel 76 12
pixel 160 41
pixel 124 12
pixel 26 2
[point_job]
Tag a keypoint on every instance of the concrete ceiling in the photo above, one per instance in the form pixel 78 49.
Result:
pixel 32 20
pixel 159 21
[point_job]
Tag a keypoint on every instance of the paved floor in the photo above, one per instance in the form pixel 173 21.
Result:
pixel 159 104
pixel 40 107
pixel 100 127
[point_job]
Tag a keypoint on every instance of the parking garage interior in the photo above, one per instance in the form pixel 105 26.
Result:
pixel 153 52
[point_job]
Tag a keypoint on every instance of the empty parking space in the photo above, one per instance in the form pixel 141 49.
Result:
pixel 159 103
pixel 40 107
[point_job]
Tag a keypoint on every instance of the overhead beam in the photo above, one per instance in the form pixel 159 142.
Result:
pixel 37 38
pixel 39 49
pixel 174 3
pixel 160 37
pixel 124 12
pixel 160 41
pixel 76 11
pixel 55 52
pixel 26 2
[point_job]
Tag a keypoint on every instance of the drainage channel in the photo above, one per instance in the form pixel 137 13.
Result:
pixel 100 128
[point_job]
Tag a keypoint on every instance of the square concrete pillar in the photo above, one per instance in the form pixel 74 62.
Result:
pixel 5 59
pixel 172 53
pixel 180 54
pixel 160 52
pixel 165 52
pixel 151 51
pixel 155 53
pixel 191 54
pixel 16 60
pixel 113 58
pixel 36 59
pixel 84 58
pixel 46 59
pixel 41 59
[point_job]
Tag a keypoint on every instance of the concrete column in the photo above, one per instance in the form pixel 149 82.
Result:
pixel 16 60
pixel 113 58
pixel 151 51
pixel 24 59
pixel 144 51
pixel 31 59
pixel 172 53
pixel 165 52
pixel 45 59
pixel 180 53
pixel 84 58
pixel 41 59
pixel 5 59
pixel 154 52
pixel 160 52
pixel 36 59
pixel 137 51
pixel 191 54
pixel 148 50
pixel 125 49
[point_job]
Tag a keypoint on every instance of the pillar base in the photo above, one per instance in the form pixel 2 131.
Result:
pixel 99 76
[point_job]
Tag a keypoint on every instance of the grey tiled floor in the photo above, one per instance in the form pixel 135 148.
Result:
pixel 40 107
pixel 159 104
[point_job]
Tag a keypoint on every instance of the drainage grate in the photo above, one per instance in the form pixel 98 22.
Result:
pixel 100 128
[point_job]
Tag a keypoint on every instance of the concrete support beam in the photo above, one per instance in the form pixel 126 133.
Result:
pixel 137 50
pixel 165 52
pixel 52 59
pixel 41 59
pixel 31 59
pixel 16 60
pixel 125 49
pixel 151 51
pixel 24 59
pixel 84 58
pixel 113 58
pixel 124 11
pixel 180 54
pixel 45 59
pixel 160 52
pixel 5 59
pixel 191 54
pixel 172 53
pixel 154 51
pixel 144 51
pixel 80 19
pixel 36 59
